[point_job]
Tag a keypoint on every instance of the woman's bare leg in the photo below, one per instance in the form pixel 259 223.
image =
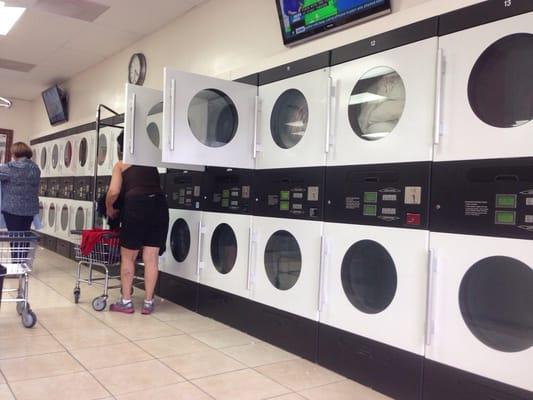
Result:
pixel 151 270
pixel 127 271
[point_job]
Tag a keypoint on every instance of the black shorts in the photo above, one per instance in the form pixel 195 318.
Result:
pixel 144 222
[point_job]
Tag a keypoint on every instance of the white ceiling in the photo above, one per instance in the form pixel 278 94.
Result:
pixel 61 46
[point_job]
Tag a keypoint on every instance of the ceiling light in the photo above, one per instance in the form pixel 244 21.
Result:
pixel 5 102
pixel 8 17
pixel 365 97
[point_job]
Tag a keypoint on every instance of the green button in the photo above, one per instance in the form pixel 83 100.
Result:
pixel 506 200
pixel 505 217
pixel 284 206
pixel 371 197
pixel 285 195
pixel 370 210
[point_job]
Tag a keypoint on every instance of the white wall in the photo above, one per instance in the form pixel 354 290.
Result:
pixel 19 119
pixel 225 38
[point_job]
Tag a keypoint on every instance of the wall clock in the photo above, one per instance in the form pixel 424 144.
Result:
pixel 137 69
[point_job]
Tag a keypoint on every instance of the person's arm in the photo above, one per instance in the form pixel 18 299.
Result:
pixel 114 190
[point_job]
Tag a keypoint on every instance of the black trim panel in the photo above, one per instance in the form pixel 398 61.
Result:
pixel 184 189
pixel 250 79
pixel 386 369
pixel 385 41
pixel 482 13
pixel 299 67
pixel 442 382
pixel 63 248
pixel 83 188
pixel 178 290
pixel 228 190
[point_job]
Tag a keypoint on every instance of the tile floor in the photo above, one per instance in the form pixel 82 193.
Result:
pixel 76 353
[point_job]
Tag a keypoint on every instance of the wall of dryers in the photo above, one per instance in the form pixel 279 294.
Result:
pixel 224 38
pixel 18 119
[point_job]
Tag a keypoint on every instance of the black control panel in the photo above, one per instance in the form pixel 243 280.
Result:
pixel 184 189
pixel 483 197
pixel 54 187
pixel 394 195
pixel 66 187
pixel 43 187
pixel 83 188
pixel 228 190
pixel 290 193
pixel 102 186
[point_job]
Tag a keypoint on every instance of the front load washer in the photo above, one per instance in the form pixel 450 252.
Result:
pixel 374 277
pixel 486 76
pixel 384 97
pixel 293 121
pixel 84 149
pixel 286 257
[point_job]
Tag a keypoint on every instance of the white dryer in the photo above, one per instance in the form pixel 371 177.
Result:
pixel 84 149
pixel 294 116
pixel 107 150
pixel 486 82
pixel 55 158
pixel 384 90
pixel 40 157
pixel 43 204
pixel 51 216
pixel 81 217
pixel 63 222
pixel 68 157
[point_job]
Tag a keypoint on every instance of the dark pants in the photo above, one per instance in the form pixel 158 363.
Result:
pixel 18 223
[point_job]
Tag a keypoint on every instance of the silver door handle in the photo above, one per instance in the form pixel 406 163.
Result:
pixel 256 122
pixel 328 113
pixel 132 125
pixel 199 263
pixel 324 258
pixel 430 303
pixel 251 259
pixel 438 98
pixel 172 113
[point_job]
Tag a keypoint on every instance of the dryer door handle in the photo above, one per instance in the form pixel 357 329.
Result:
pixel 132 123
pixel 172 113
pixel 431 296
pixel 252 250
pixel 324 261
pixel 200 262
pixel 329 103
pixel 256 123
pixel 437 129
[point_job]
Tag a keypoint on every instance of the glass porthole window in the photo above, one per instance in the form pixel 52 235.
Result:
pixel 213 118
pixel 43 158
pixel 79 221
pixel 369 277
pixel 55 156
pixel 376 103
pixel 289 118
pixel 154 122
pixel 41 210
pixel 224 248
pixel 64 217
pixel 102 149
pixel 495 298
pixel 283 260
pixel 82 152
pixel 67 155
pixel 51 215
pixel 500 87
pixel 180 240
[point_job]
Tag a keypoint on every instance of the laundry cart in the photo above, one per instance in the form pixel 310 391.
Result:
pixel 17 252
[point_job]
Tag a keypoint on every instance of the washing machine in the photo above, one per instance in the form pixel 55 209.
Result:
pixel 294 114
pixel 486 82
pixel 285 257
pixel 374 277
pixel 208 120
pixel 225 241
pixel 84 149
pixel 384 88
pixel 67 157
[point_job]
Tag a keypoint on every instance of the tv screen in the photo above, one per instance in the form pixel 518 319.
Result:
pixel 302 19
pixel 55 102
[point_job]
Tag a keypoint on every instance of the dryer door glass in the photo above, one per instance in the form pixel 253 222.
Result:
pixel 213 118
pixel 369 276
pixel 67 155
pixel 288 121
pixel 51 215
pixel 180 240
pixel 41 210
pixel 496 297
pixel 82 152
pixel 43 158
pixel 79 221
pixel 224 248
pixel 376 103
pixel 102 149
pixel 154 122
pixel 500 88
pixel 64 218
pixel 55 156
pixel 283 260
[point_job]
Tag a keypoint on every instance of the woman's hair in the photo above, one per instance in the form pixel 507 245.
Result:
pixel 21 149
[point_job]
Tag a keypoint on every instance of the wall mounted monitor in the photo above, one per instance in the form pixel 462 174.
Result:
pixel 55 102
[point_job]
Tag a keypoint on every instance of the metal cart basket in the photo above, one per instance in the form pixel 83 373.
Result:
pixel 17 252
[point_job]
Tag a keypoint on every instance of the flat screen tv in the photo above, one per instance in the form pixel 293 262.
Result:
pixel 55 101
pixel 303 19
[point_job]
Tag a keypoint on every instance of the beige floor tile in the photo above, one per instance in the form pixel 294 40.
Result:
pixel 28 346
pixel 192 323
pixel 245 384
pixel 26 368
pixel 172 345
pixel 11 326
pixel 201 364
pixel 179 391
pixel 149 329
pixel 62 320
pixel 290 396
pixel 110 356
pixel 225 338
pixel 79 386
pixel 134 377
pixel 299 374
pixel 168 311
pixel 2 380
pixel 5 393
pixel 345 390
pixel 83 338
pixel 257 354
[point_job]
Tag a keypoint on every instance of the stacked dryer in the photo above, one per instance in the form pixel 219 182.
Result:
pixel 374 276
pixel 480 334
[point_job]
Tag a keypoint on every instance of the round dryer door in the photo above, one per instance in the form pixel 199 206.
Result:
pixel 376 103
pixel 43 158
pixel 495 298
pixel 180 240
pixel 369 277
pixel 154 121
pixel 224 248
pixel 52 215
pixel 82 152
pixel 102 149
pixel 500 86
pixel 283 260
pixel 41 210
pixel 289 118
pixel 55 156
pixel 213 118
pixel 64 218
pixel 79 219
pixel 67 155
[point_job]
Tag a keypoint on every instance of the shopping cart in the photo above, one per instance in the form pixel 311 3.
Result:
pixel 104 257
pixel 17 252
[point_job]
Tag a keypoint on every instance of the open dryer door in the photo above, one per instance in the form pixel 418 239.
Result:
pixel 208 121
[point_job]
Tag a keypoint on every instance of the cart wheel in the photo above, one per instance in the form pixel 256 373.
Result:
pixel 20 306
pixel 76 295
pixel 29 319
pixel 99 303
